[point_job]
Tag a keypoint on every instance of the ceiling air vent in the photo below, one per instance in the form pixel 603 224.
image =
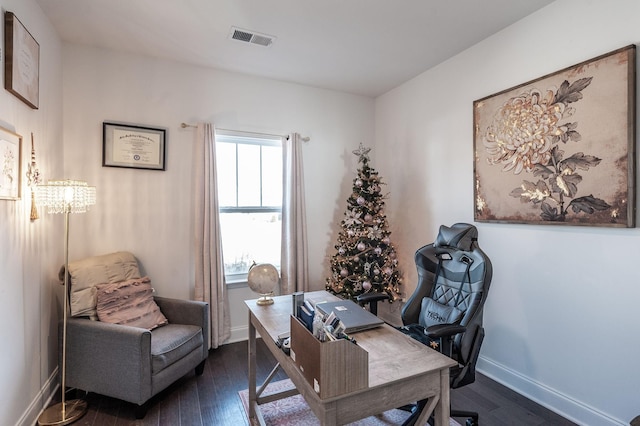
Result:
pixel 251 37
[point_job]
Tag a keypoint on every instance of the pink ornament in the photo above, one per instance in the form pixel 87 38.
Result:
pixel 358 183
pixel 360 201
pixel 341 250
pixel 344 273
pixel 386 240
pixel 387 271
pixel 366 285
pixel 362 246
pixel 356 259
pixel 378 251
pixel 368 217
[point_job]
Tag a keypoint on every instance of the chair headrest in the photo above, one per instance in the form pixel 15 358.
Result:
pixel 460 236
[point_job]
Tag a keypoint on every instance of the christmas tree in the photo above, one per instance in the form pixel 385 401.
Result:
pixel 366 260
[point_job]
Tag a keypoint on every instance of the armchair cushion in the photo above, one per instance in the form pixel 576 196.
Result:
pixel 129 303
pixel 172 343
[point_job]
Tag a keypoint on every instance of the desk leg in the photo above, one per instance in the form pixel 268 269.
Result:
pixel 328 415
pixel 442 411
pixel 252 369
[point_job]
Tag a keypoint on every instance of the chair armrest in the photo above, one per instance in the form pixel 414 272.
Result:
pixel 444 330
pixel 189 312
pixel 371 297
pixel 97 352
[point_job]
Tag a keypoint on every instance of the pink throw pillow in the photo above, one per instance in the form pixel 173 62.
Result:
pixel 129 303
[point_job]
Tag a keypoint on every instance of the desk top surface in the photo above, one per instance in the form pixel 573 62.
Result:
pixel 392 355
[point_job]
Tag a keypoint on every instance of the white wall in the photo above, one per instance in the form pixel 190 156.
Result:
pixel 31 252
pixel 547 334
pixel 150 212
pixel 562 317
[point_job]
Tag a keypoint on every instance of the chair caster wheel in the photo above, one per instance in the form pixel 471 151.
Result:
pixel 471 422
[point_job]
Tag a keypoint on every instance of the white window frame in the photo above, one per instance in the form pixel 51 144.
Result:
pixel 247 138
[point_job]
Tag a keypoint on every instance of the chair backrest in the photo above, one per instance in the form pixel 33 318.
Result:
pixel 463 267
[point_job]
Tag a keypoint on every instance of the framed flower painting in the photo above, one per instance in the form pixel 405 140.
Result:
pixel 560 149
pixel 10 164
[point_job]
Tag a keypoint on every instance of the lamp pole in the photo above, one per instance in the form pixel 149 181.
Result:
pixel 65 196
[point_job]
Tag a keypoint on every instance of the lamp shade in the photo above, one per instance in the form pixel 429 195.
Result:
pixel 60 196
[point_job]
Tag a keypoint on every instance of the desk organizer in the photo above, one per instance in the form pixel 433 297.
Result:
pixel 332 368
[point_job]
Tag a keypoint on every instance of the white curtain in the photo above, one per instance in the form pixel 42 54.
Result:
pixel 210 284
pixel 294 270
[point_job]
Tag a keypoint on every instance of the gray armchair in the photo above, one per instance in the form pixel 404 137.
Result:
pixel 124 362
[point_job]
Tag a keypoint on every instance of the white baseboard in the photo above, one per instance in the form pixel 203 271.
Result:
pixel 41 401
pixel 238 334
pixel 567 407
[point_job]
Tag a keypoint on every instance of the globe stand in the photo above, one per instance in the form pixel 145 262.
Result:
pixel 265 299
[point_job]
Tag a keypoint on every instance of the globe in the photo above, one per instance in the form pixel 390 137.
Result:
pixel 263 278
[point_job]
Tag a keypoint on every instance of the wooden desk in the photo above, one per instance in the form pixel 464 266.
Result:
pixel 401 370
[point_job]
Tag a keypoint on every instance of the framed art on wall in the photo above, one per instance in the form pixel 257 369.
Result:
pixel 10 164
pixel 560 149
pixel 133 146
pixel 22 61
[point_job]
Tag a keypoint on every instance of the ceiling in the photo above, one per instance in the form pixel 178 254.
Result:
pixel 364 47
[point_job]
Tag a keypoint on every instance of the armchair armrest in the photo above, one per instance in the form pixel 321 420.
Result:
pixel 189 312
pixel 100 351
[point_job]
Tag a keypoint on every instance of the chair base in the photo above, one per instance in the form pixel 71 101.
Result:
pixel 416 409
pixel 471 416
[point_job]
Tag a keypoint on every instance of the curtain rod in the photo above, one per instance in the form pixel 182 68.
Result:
pixel 304 139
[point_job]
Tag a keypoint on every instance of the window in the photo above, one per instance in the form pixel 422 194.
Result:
pixel 249 170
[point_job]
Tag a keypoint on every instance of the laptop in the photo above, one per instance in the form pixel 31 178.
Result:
pixel 352 315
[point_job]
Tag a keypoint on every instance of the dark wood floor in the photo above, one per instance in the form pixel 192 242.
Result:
pixel 212 399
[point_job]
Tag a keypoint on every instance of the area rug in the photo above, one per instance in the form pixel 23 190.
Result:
pixel 294 411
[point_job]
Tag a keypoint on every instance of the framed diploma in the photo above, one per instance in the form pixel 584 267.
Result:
pixel 22 61
pixel 134 147
pixel 10 164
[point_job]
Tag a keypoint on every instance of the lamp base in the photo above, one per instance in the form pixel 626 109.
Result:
pixel 54 415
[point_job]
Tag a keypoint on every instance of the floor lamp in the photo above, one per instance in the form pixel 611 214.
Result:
pixel 65 196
